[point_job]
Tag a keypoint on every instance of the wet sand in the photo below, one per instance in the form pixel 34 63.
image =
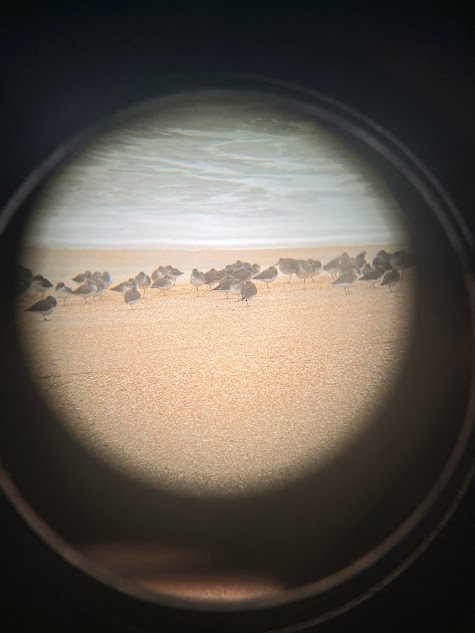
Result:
pixel 208 395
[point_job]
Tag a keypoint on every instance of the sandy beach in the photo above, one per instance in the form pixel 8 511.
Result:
pixel 210 396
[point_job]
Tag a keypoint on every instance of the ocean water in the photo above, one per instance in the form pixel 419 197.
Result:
pixel 215 172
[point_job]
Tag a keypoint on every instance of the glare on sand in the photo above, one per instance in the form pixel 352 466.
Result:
pixel 208 395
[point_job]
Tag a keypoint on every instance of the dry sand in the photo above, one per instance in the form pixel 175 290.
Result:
pixel 207 395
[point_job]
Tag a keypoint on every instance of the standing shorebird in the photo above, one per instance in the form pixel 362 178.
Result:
pixel 41 284
pixel 131 296
pixel 268 275
pixel 401 260
pixel 211 277
pixel 106 278
pixel 236 287
pixel 304 270
pixel 316 267
pixel 24 278
pixel 345 281
pixel 248 291
pixel 347 264
pixel 100 288
pixel 381 260
pixel 366 268
pixel 360 260
pixel 64 292
pixel 372 276
pixel 224 285
pixel 124 286
pixel 44 306
pixel 82 277
pixel 163 284
pixel 197 279
pixel 174 273
pixel 243 274
pixel 332 266
pixel 143 281
pixel 157 273
pixel 288 266
pixel 391 278
pixel 88 289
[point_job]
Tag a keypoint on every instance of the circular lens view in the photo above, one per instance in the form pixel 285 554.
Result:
pixel 216 294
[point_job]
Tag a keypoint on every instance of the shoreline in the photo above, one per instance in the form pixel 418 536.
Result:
pixel 62 264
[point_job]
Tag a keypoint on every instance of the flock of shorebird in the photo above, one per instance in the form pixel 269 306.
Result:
pixel 238 278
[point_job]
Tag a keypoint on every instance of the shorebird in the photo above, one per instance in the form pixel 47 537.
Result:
pixel 157 274
pixel 221 274
pixel 210 277
pixel 346 280
pixel 197 279
pixel 360 260
pixel 64 292
pixel 82 277
pixel 267 276
pixel 122 287
pixel 366 268
pixel 402 260
pixel 372 276
pixel 163 284
pixel 41 284
pixel 86 290
pixel 143 281
pixel 346 264
pixel 100 287
pixel 316 267
pixel 106 278
pixel 243 274
pixel 236 287
pixel 304 270
pixel 44 306
pixel 256 269
pixel 248 291
pixel 131 296
pixel 332 266
pixel 381 260
pixel 288 266
pixel 224 285
pixel 174 273
pixel 24 278
pixel 101 282
pixel 391 278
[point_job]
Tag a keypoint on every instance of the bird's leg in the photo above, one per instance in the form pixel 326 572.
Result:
pixel 390 289
pixel 290 277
